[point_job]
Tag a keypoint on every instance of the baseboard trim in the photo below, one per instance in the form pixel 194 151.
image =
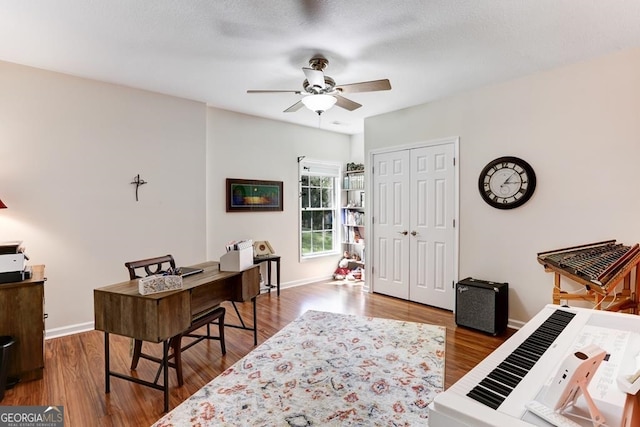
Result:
pixel 68 330
pixel 515 324
pixel 305 281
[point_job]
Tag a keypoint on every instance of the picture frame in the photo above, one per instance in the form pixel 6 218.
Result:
pixel 252 195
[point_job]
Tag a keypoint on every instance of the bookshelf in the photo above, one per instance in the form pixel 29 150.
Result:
pixel 353 218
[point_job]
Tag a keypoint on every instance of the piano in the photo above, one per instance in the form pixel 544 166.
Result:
pixel 495 392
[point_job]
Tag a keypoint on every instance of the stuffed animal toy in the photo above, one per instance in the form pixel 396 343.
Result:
pixel 343 268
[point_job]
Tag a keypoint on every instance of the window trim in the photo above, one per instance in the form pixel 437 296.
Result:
pixel 311 168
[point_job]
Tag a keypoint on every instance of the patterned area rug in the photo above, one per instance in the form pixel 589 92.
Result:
pixel 326 369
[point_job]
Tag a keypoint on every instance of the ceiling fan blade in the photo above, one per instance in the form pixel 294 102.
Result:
pixel 371 86
pixel 347 104
pixel 297 92
pixel 295 107
pixel 314 77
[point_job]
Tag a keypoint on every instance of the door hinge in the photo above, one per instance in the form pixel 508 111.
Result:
pixel 454 223
pixel 454 161
pixel 453 284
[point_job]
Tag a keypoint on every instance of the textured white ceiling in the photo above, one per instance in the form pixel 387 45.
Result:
pixel 214 50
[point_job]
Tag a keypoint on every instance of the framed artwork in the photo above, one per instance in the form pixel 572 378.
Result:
pixel 250 195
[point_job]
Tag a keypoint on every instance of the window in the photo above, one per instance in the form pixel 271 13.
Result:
pixel 318 208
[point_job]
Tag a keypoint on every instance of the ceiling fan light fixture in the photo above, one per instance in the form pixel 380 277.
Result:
pixel 319 103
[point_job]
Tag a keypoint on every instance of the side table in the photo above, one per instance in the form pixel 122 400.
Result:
pixel 269 259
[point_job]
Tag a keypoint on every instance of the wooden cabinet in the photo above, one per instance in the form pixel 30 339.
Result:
pixel 22 317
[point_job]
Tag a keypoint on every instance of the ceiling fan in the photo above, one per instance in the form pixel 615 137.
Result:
pixel 321 92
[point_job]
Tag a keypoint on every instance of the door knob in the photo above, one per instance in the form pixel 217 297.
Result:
pixel 404 233
pixel 414 233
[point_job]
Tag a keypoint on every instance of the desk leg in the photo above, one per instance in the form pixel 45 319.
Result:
pixel 255 322
pixel 278 275
pixel 165 366
pixel 107 382
pixel 242 325
pixel 155 385
pixel 269 275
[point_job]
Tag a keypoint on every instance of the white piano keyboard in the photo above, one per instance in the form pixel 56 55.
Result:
pixel 495 392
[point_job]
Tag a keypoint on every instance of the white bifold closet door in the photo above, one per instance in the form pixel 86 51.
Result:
pixel 413 224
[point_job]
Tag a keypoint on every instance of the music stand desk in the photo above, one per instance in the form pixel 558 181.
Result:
pixel 120 309
pixel 269 259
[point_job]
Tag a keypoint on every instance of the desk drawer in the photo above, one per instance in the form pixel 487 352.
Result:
pixel 136 316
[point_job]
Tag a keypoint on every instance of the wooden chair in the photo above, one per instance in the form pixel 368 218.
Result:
pixel 159 265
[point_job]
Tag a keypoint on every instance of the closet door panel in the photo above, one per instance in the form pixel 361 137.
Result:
pixel 431 226
pixel 390 219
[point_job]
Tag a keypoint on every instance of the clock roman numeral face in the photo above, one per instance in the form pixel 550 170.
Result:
pixel 507 182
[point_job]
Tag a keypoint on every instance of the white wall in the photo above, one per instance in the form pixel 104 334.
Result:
pixel 578 126
pixel 248 147
pixel 69 148
pixel 357 148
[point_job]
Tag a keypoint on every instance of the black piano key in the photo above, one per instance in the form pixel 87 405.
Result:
pixel 496 387
pixel 557 324
pixel 561 314
pixel 546 339
pixel 528 352
pixel 542 339
pixel 564 315
pixel 522 362
pixel 526 359
pixel 553 328
pixel 545 334
pixel 505 377
pixel 534 348
pixel 530 359
pixel 550 334
pixel 518 372
pixel 540 342
pixel 486 397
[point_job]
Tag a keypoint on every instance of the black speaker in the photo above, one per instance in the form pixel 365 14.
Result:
pixel 482 305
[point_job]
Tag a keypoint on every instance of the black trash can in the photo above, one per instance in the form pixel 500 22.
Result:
pixel 6 342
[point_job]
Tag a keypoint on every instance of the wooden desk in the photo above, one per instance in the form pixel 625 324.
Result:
pixel 269 259
pixel 121 310
pixel 22 317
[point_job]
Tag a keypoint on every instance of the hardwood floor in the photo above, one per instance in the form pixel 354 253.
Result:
pixel 74 365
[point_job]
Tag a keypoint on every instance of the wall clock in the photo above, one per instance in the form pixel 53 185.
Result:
pixel 507 182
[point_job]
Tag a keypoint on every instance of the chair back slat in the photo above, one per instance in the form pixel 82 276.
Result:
pixel 151 266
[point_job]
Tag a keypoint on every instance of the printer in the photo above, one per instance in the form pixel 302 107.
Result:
pixel 13 260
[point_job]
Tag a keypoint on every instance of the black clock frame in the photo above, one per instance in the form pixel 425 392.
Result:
pixel 530 187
